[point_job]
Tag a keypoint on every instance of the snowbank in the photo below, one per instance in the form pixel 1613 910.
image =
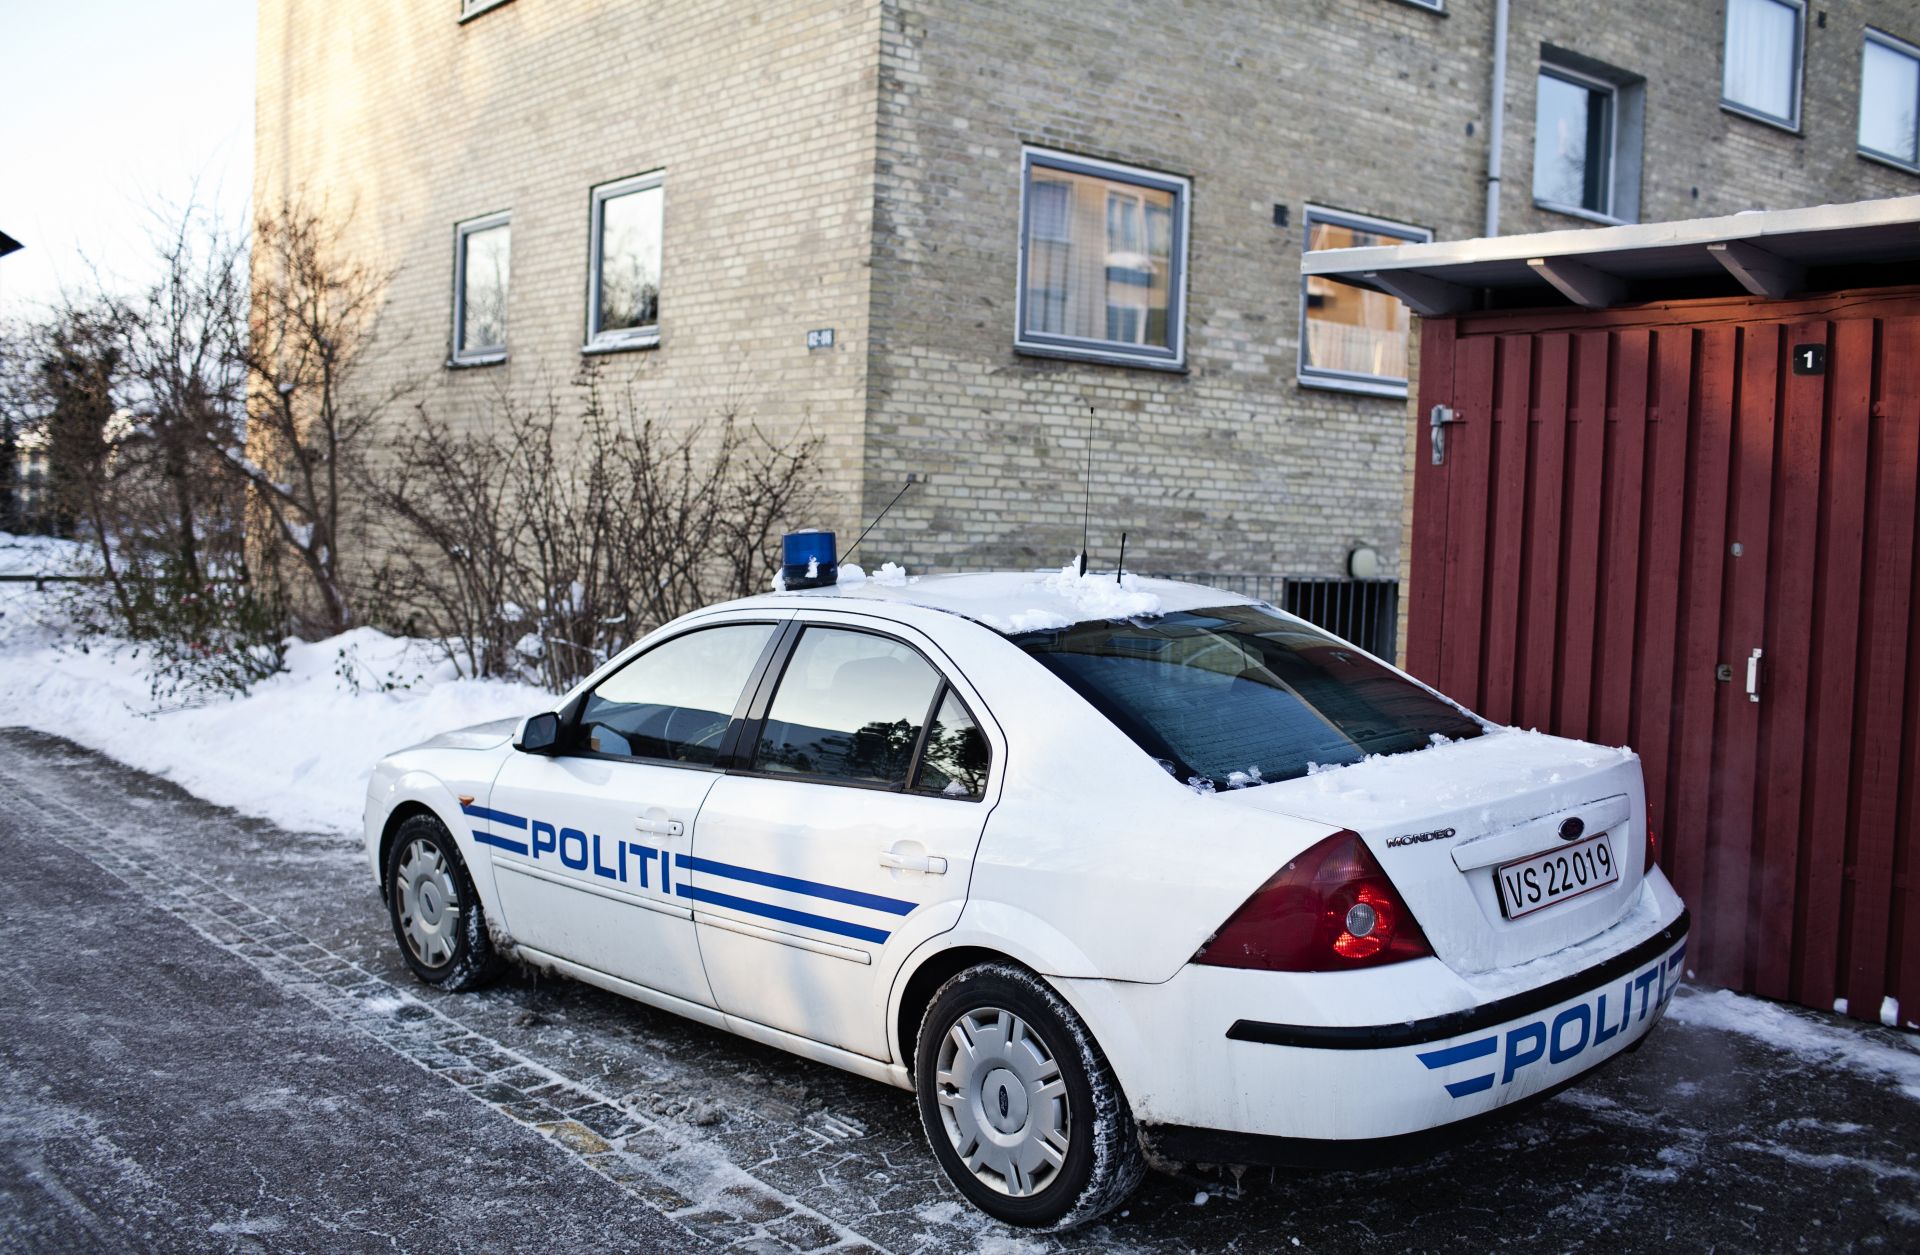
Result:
pixel 296 750
pixel 1801 1033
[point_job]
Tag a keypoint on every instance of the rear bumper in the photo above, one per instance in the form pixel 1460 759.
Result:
pixel 1231 1059
pixel 1472 1053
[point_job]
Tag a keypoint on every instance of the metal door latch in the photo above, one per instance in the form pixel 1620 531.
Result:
pixel 1753 677
pixel 1724 673
pixel 1438 418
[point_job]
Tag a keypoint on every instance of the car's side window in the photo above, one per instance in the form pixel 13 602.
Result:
pixel 849 708
pixel 954 762
pixel 675 701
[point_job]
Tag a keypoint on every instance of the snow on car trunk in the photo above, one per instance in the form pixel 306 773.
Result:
pixel 1446 822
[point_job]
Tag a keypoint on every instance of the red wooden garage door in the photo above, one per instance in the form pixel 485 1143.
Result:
pixel 1637 507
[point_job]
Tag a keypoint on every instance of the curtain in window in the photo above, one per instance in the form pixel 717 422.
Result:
pixel 1763 38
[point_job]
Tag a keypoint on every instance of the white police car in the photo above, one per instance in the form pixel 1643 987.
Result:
pixel 1084 863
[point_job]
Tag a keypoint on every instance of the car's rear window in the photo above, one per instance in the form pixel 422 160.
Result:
pixel 1242 695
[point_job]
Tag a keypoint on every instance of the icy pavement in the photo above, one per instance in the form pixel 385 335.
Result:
pixel 211 1043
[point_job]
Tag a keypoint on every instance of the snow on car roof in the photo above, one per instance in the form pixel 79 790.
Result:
pixel 1015 601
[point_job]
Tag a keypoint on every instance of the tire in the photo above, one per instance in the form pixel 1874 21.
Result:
pixel 1032 1079
pixel 435 913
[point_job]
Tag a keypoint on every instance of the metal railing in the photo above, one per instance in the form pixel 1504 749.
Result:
pixel 1366 612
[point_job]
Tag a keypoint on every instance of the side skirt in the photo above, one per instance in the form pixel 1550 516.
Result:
pixel 860 1065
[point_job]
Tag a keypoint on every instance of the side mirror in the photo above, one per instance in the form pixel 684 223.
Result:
pixel 538 734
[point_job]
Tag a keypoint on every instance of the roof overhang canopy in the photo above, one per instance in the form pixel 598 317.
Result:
pixel 1772 253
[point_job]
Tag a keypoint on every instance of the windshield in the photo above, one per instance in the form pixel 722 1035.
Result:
pixel 1242 695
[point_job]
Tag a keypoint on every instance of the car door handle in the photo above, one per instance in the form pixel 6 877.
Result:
pixel 660 827
pixel 932 864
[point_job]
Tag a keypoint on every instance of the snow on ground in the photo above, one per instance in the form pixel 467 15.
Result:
pixel 1803 1033
pixel 295 750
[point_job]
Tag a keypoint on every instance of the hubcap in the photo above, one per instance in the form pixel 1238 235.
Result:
pixel 1002 1101
pixel 428 902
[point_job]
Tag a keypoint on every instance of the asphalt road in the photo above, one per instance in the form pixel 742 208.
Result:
pixel 208 1042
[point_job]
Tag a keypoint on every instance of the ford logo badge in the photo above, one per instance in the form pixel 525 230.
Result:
pixel 1571 829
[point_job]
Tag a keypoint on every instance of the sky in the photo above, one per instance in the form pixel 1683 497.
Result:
pixel 110 109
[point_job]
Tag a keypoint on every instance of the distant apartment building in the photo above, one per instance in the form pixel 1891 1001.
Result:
pixel 961 239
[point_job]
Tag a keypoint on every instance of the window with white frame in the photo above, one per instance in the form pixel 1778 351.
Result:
pixel 1890 100
pixel 1762 73
pixel 481 258
pixel 1352 338
pixel 623 306
pixel 1102 261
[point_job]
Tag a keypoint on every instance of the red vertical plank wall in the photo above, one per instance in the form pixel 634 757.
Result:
pixel 1574 569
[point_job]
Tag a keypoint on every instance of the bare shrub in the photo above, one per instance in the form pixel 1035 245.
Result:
pixel 312 319
pixel 540 540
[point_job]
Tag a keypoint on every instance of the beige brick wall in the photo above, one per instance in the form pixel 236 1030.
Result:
pixel 855 164
pixel 1372 106
pixel 761 117
pixel 1361 105
pixel 1700 160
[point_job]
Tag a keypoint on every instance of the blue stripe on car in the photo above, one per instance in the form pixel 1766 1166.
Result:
pixel 1446 1058
pixel 785 915
pixel 792 884
pixel 498 817
pixel 487 838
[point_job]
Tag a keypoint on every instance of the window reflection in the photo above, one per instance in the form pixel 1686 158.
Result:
pixel 1350 330
pixel 849 707
pixel 1099 258
pixel 954 763
pixel 629 252
pixel 1573 144
pixel 483 301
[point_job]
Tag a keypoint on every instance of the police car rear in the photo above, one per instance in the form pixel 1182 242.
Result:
pixel 1483 921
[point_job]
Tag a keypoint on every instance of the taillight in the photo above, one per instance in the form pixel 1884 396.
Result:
pixel 1653 844
pixel 1329 910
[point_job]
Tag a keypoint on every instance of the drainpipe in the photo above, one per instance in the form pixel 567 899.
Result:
pixel 1496 127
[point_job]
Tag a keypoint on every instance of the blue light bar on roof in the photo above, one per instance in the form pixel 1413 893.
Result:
pixel 808 559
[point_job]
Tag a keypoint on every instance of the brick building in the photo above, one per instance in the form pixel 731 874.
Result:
pixel 1023 221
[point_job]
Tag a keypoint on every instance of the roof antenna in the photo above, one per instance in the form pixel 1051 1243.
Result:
pixel 1121 569
pixel 912 479
pixel 1086 512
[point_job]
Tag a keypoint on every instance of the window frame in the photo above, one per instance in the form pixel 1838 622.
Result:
pixel 1104 351
pixel 1309 376
pixel 1893 43
pixel 624 338
pixel 1431 6
pixel 739 761
pixel 1611 90
pixel 1790 124
pixel 470 9
pixel 459 354
pixel 572 746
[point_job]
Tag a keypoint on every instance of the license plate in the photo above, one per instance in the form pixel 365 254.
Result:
pixel 1539 881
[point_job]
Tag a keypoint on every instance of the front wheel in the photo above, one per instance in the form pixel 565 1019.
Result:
pixel 435 913
pixel 1020 1106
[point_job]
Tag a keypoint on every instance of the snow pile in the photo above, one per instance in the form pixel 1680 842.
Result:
pixel 1448 774
pixel 1076 598
pixel 296 750
pixel 1801 1033
pixel 890 575
pixel 1101 596
pixel 41 555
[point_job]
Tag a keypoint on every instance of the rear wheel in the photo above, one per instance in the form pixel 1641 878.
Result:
pixel 435 913
pixel 1019 1104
